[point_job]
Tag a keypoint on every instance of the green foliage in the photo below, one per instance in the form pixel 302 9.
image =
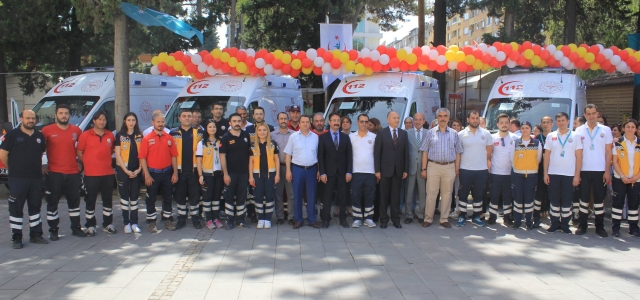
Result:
pixel 530 19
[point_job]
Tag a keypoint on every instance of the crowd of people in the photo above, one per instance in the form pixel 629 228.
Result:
pixel 224 171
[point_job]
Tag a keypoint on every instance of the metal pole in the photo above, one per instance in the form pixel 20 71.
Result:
pixel 465 93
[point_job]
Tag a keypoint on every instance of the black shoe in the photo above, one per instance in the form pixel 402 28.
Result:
pixel 553 229
pixel 516 226
pixel 536 224
pixel 37 239
pixel 254 219
pixel 77 231
pixel 616 233
pixel 507 220
pixel 408 220
pixel 601 232
pixel 491 221
pixel 397 225
pixel 197 225
pixel 53 235
pixel 325 224
pixel 383 225
pixel 344 224
pixel 566 230
pixel 420 220
pixel 279 222
pixel 181 224
pixel 286 216
pixel 290 222
pixel 581 230
pixel 297 225
pixel 17 241
pixel 529 227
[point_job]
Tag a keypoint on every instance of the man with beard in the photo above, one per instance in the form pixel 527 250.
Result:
pixel 541 202
pixel 242 111
pixel 63 174
pixel 318 123
pixel 21 151
pixel 294 123
pixel 196 119
pixel 222 124
pixel 281 137
pixel 151 128
pixel 503 147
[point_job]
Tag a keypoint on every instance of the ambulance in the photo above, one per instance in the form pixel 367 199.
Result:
pixel 273 93
pixel 529 96
pixel 377 94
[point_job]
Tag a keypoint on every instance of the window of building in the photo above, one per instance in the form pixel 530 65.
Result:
pixel 448 24
pixel 360 26
pixel 466 16
pixel 488 21
pixel 466 30
pixel 448 36
pixel 454 20
pixel 471 14
pixel 482 24
pixel 495 34
pixel 496 20
pixel 358 43
pixel 478 26
pixel 466 43
pixel 454 34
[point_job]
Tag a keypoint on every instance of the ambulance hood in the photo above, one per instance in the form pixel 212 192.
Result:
pixel 546 85
pixel 382 85
pixel 97 84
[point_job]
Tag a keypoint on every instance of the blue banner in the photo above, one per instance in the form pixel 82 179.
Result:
pixel 149 17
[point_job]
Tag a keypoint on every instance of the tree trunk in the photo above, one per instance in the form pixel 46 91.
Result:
pixel 232 24
pixel 420 23
pixel 440 38
pixel 75 43
pixel 509 28
pixel 121 66
pixel 4 110
pixel 569 22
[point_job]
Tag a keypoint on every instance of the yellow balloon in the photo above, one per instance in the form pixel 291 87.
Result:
pixel 216 53
pixel 589 58
pixel 296 64
pixel 412 59
pixel 344 57
pixel 469 59
pixel 459 56
pixel 178 66
pixel 286 58
pixel 224 57
pixel 307 71
pixel 185 72
pixel 277 54
pixel 450 55
pixel 233 62
pixel 163 56
pixel 401 54
pixel 528 54
pixel 360 69
pixel 477 65
pixel 241 67
pixel 454 48
pixel 368 71
pixel 514 46
pixel 573 47
pixel 581 52
pixel 350 66
pixel 536 60
pixel 155 60
pixel 594 66
pixel 170 61
pixel 485 67
pixel 637 56
pixel 336 53
pixel 422 67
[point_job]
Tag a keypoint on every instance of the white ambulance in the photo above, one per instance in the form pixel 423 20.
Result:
pixel 529 96
pixel 273 93
pixel 377 94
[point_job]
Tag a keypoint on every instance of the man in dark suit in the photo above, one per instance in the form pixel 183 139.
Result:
pixel 391 160
pixel 335 163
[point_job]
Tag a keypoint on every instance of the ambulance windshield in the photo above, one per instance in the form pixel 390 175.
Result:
pixel 530 109
pixel 375 107
pixel 204 104
pixel 80 108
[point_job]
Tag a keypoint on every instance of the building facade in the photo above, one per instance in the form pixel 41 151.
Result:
pixel 468 29
pixel 411 40
pixel 366 35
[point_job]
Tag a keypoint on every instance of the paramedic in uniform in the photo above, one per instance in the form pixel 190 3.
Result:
pixel 186 139
pixel 562 164
pixel 21 151
pixel 63 174
pixel 626 162
pixel 258 117
pixel 158 158
pixel 503 145
pixel 541 202
pixel 524 176
pixel 596 165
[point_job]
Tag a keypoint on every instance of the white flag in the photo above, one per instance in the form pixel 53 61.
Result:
pixel 335 36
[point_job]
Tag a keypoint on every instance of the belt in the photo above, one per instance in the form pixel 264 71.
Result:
pixel 442 163
pixel 303 167
pixel 165 170
pixel 283 164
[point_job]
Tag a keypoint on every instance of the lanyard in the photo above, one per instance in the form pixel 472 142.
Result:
pixel 563 143
pixel 592 136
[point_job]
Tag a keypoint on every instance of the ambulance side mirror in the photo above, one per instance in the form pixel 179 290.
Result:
pixel 6 126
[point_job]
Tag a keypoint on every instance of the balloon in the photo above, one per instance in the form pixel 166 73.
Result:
pixel 452 65
pixel 608 53
pixel 528 54
pixel 535 60
pixel 326 68
pixel 401 54
pixel 162 67
pixel 241 67
pixel 286 58
pixel 307 63
pixel 277 64
pixel 327 56
pixel 501 56
pixel 375 55
pixel 211 71
pixel 558 55
pixel 233 62
pixel 191 68
pixel 544 54
pixel 155 61
pixel 469 60
pixel 492 51
pixel 343 57
pixel 336 63
pixel 364 52
pixel 224 57
pixel 459 56
pixel 202 67
pixel 441 60
pixel 268 69
pixel 622 53
pixel 622 66
pixel 318 62
pixel 382 49
pixel 631 61
pixel 514 56
pixel 450 55
pixel 350 66
pixel 384 59
pixel 394 62
pixel 260 63
pixel 589 58
pixel 433 54
pixel 155 71
pixel 178 66
pixel 186 59
pixel 615 60
pixel 353 54
pixel 312 54
pixel 412 58
pixel 360 69
pixel 511 63
pixel 196 59
pixel 162 57
pixel 552 49
pixel 296 64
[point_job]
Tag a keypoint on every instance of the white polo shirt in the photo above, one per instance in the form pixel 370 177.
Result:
pixel 559 165
pixel 474 155
pixel 630 158
pixel 502 153
pixel 363 152
pixel 303 148
pixel 593 159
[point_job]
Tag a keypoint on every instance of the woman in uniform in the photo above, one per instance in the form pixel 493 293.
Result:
pixel 264 173
pixel 127 145
pixel 524 175
pixel 210 175
pixel 626 164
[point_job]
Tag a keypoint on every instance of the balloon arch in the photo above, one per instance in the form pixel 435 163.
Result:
pixel 382 59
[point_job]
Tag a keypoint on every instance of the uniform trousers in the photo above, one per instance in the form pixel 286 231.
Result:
pixel 560 199
pixel 129 190
pixel 23 190
pixel 57 185
pixel 524 188
pixel 102 185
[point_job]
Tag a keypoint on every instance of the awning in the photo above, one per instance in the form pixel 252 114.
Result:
pixel 149 17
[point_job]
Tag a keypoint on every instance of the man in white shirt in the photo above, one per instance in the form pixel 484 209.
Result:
pixel 596 165
pixel 503 147
pixel 474 164
pixel 562 165
pixel 363 182
pixel 242 111
pixel 302 170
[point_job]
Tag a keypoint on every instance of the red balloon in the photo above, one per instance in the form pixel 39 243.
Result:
pixel 225 68
pixel 606 65
pixel 432 65
pixel 254 71
pixel 276 64
pixel 162 67
pixel 171 72
pixel 262 53
pixel 551 61
pixel 441 50
pixel 631 61
pixel 385 68
pixel 536 49
pixel 594 49
pixel 233 51
pixel 178 55
pixel 636 68
pixel 225 50
pixel 623 54
pixel 321 52
pixel 600 58
pixel 417 51
pixel 367 62
pixel 268 58
pixel 327 56
pixel 526 45
pixel 336 64
pixel 301 55
pixel 317 71
pixel 486 58
pixel 203 53
pixel 294 73
pixel 217 63
pixel 424 59
pixel 307 63
pixel 353 54
pixel 376 66
pixel 207 59
pixel 391 52
pixel 614 49
pixel 566 50
pixel 186 59
pixel 241 56
pixel 527 64
pixel 234 72
pixel 467 50
pixel 442 69
pixel 477 53
pixel 394 62
pixel 544 54
pixel 198 75
pixel 580 63
pixel 496 44
pixel 515 56
pixel 521 61
pixel 462 67
pixel 573 57
pixel 507 49
pixel 191 68
pixel 250 61
pixel 404 66
pixel 286 69
pixel 382 49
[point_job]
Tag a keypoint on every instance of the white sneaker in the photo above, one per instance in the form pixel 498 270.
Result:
pixel 356 224
pixel 267 224
pixel 135 228
pixel 127 229
pixel 370 223
pixel 453 214
pixel 261 224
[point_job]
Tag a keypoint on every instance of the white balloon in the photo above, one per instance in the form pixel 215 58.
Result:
pixel 395 69
pixel 365 52
pixel 565 62
pixel 268 69
pixel 196 59
pixel 600 46
pixel 318 62
pixel 343 70
pixel 336 72
pixel 384 59
pixel 552 49
pixel 251 52
pixel 483 47
pixel 558 55
pixel 571 66
pixel 501 56
pixel 165 74
pixel 326 68
pixel 511 63
pixel 492 51
pixel 615 60
pixel 260 63
pixel 155 71
pixel 453 65
pixel 375 55
pixel 425 50
pixel 277 72
pixel 441 60
pixel 312 54
pixel 433 54
pixel 622 67
pixel 408 49
pixel 211 71
pixel 608 53
pixel 202 67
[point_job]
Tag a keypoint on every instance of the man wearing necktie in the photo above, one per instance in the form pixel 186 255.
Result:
pixel 415 137
pixel 335 163
pixel 391 163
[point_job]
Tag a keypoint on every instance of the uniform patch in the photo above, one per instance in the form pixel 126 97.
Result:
pixel 38 140
pixel 370 142
pixel 496 143
pixel 74 136
pixel 601 135
pixel 482 137
pixel 554 138
pixel 169 142
pixel 223 127
pixel 125 146
pixel 622 154
pixel 245 139
pixel 570 140
pixel 231 142
pixel 521 155
pixel 152 141
pixel 108 141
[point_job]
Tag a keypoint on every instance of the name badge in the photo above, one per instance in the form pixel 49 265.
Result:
pixel 496 143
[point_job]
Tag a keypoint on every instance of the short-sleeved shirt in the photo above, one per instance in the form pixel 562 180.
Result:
pixel 593 159
pixel 222 127
pixel 363 161
pixel 441 146
pixel 158 150
pixel 216 158
pixel 97 152
pixel 474 155
pixel 502 154
pixel 303 148
pixel 132 163
pixel 282 139
pixel 558 164
pixel 630 157
pixel 237 150
pixel 25 153
pixel 61 148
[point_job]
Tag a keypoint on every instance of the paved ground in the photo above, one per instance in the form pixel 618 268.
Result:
pixel 334 263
